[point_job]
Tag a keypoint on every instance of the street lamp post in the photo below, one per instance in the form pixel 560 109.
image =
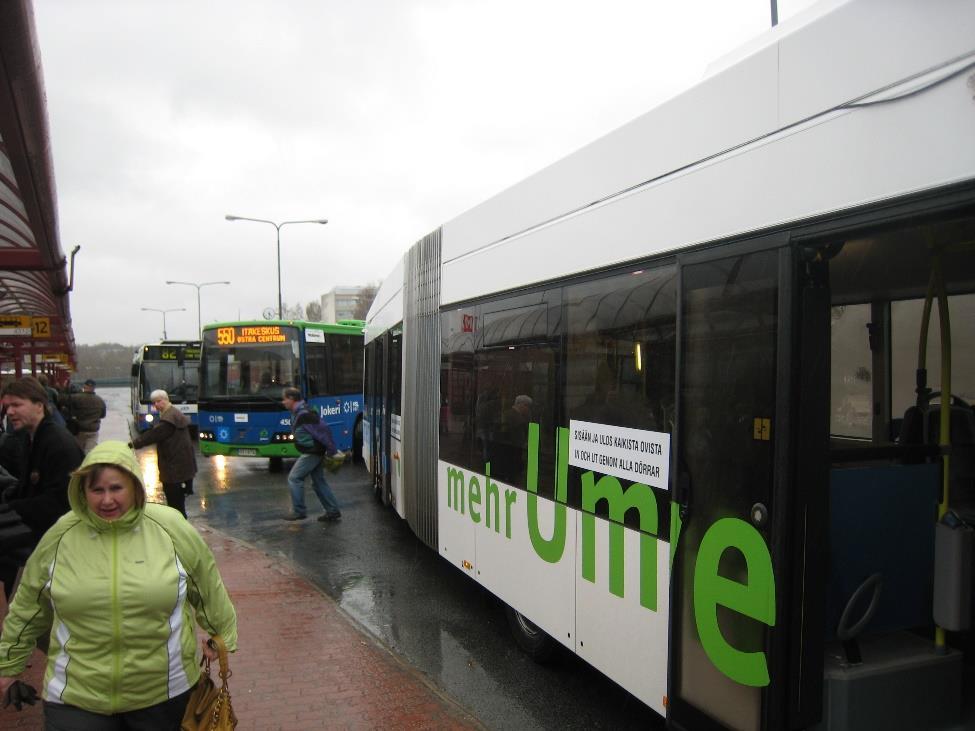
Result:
pixel 199 286
pixel 277 226
pixel 153 309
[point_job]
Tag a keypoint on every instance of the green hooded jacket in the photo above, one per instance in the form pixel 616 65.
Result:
pixel 118 599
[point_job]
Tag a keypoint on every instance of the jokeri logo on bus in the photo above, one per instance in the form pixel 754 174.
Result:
pixel 612 453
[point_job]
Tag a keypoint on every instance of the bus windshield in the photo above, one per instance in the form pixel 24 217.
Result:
pixel 181 382
pixel 245 369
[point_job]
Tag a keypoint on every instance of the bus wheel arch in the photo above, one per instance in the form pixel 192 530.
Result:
pixel 532 639
pixel 357 440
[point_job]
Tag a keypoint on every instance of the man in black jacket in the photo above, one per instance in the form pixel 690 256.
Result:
pixel 51 454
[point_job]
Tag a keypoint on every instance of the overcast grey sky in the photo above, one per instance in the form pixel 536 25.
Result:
pixel 388 117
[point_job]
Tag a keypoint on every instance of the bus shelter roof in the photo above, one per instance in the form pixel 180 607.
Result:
pixel 35 317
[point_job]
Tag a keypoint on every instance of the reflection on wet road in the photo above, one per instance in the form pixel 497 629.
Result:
pixel 424 610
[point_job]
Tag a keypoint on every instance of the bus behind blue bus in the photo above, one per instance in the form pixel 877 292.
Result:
pixel 170 365
pixel 246 365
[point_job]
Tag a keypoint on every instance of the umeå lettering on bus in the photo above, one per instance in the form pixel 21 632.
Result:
pixel 754 599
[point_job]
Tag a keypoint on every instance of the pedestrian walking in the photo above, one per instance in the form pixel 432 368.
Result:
pixel 86 411
pixel 174 450
pixel 117 567
pixel 46 455
pixel 310 463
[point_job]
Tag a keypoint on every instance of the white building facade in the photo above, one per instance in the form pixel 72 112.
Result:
pixel 341 303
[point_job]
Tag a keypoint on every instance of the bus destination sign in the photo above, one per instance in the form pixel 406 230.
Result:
pixel 251 335
pixel 171 352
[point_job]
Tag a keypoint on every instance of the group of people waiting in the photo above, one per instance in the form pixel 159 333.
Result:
pixel 98 562
pixel 79 409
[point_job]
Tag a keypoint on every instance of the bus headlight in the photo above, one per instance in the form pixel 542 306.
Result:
pixel 149 418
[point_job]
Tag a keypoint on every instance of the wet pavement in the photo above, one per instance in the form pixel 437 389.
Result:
pixel 385 583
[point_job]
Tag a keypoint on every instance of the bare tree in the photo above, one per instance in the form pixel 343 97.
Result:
pixel 291 312
pixel 313 311
pixel 366 296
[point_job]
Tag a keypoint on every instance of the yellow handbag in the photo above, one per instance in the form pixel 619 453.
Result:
pixel 209 707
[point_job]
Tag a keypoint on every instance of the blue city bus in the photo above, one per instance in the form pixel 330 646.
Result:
pixel 244 368
pixel 170 365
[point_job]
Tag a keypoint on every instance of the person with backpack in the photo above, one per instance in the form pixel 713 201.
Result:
pixel 314 440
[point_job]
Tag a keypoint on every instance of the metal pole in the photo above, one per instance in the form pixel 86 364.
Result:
pixel 278 229
pixel 199 325
pixel 165 337
pixel 775 13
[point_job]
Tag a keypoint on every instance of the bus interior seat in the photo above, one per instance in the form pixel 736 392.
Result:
pixel 882 520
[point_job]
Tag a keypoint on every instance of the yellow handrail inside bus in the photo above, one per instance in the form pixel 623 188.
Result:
pixel 936 288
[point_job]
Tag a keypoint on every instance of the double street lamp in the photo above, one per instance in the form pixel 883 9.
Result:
pixel 153 309
pixel 277 226
pixel 199 286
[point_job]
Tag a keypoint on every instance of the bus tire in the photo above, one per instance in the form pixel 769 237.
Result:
pixel 534 641
pixel 377 489
pixel 275 464
pixel 357 441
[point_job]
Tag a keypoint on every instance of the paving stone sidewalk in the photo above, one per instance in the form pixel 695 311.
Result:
pixel 301 664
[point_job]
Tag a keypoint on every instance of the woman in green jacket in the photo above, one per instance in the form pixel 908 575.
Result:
pixel 116 584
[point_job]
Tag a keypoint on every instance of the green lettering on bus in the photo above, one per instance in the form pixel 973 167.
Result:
pixel 474 496
pixel 455 489
pixel 755 598
pixel 549 550
pixel 637 496
pixel 491 498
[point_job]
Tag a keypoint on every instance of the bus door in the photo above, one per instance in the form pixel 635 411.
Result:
pixel 377 416
pixel 733 389
pixel 392 437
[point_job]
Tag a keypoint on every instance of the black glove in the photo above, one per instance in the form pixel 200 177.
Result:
pixel 19 693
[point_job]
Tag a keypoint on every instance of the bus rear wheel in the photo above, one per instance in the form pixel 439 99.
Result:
pixel 538 645
pixel 357 441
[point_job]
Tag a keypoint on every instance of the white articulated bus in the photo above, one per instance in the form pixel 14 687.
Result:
pixel 695 401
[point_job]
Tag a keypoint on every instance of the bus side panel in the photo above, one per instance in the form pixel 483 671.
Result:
pixel 396 471
pixel 510 567
pixel 340 413
pixel 455 529
pixel 618 635
pixel 367 444
pixel 491 535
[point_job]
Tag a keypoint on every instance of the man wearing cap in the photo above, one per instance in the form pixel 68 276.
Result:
pixel 87 410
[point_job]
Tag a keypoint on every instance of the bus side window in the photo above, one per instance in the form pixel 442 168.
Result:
pixel 315 363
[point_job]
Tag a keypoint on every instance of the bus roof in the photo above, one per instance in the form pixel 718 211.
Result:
pixel 351 327
pixel 770 136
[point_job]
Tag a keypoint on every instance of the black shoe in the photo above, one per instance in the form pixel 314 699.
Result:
pixel 294 516
pixel 329 517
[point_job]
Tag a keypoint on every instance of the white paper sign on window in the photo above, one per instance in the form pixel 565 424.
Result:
pixel 636 455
